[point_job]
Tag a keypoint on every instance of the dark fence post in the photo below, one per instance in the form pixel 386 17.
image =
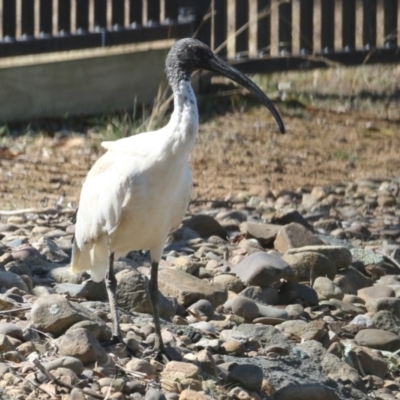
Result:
pixel 220 25
pixel 117 14
pixel 390 8
pixel 349 25
pixel 171 11
pixel 27 16
pixel 135 12
pixel 285 27
pixel 46 17
pixel 100 13
pixel 242 18
pixel 82 16
pixel 9 19
pixel 328 26
pixel 203 7
pixel 153 12
pixel 306 26
pixel 264 27
pixel 64 16
pixel 369 24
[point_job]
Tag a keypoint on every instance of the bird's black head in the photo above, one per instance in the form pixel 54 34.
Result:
pixel 188 55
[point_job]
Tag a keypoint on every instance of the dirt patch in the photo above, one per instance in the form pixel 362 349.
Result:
pixel 335 133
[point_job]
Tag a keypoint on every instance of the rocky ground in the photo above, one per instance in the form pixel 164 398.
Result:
pixel 286 296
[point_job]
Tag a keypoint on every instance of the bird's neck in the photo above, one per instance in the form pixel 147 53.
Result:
pixel 184 123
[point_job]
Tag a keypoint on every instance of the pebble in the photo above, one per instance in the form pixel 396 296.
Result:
pixel 305 308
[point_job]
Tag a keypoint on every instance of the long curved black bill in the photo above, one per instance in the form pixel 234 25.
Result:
pixel 217 65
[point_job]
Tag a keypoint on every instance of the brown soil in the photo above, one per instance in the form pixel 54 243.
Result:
pixel 327 141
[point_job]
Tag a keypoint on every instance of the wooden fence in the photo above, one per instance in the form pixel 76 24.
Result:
pixel 261 35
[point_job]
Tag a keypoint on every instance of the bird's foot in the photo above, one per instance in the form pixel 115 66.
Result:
pixel 115 340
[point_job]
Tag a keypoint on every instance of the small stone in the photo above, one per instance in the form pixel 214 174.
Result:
pixel 138 365
pixel 5 344
pixel 234 346
pixel 154 394
pixel 295 235
pixel 12 330
pixel 81 344
pixel 326 289
pixel 9 280
pixel 230 282
pixel 378 339
pixel 180 370
pixel 384 303
pixel 188 394
pixel 248 375
pixel 50 250
pixel 314 391
pixel 262 269
pixel 72 363
pixel 205 226
pixel 307 265
pixel 244 307
pixel 386 321
pixel 375 292
pixel 203 307
pixel 350 280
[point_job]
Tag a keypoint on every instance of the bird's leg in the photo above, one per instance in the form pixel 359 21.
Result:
pixel 158 345
pixel 111 286
pixel 158 348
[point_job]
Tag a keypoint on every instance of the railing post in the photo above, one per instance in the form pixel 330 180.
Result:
pixel 117 14
pixel 171 11
pixel 64 17
pixel 390 32
pixel 264 27
pixel 220 25
pixel 285 28
pixel 100 14
pixel 369 24
pixel 135 12
pixel 9 19
pixel 349 25
pixel 82 16
pixel 328 26
pixel 242 18
pixel 306 26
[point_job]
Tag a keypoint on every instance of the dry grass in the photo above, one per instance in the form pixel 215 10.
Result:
pixel 342 124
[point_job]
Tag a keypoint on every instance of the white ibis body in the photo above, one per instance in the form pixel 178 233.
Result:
pixel 138 191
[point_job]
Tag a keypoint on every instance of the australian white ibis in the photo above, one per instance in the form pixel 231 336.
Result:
pixel 138 191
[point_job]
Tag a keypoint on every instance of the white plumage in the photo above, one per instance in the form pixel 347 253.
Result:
pixel 138 191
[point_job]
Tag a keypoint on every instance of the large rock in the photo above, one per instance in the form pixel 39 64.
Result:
pixel 378 339
pixel 314 391
pixel 72 363
pixel 295 371
pixel 339 371
pixel 133 294
pixel 262 269
pixel 295 235
pixel 180 370
pixel 267 335
pixel 309 264
pixel 340 256
pixel 313 330
pixel 55 314
pixel 81 344
pixel 367 361
pixel 188 289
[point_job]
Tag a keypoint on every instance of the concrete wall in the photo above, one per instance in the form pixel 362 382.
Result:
pixel 81 81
